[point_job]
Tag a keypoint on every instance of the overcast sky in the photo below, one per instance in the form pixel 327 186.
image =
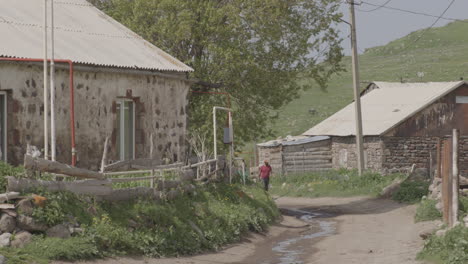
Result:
pixel 381 26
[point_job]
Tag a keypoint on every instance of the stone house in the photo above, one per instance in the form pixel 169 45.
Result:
pixel 403 124
pixel 109 83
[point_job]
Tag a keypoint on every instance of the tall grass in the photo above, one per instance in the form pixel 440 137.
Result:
pixel 212 217
pixel 335 183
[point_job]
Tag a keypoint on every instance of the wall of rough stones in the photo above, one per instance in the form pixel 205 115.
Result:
pixel 403 152
pixel 161 107
pixel 344 153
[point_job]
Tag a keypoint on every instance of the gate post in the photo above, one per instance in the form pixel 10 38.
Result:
pixel 455 178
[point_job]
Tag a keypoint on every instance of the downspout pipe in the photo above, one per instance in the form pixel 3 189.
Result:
pixel 72 98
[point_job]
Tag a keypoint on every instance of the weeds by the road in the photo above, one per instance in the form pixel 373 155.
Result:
pixel 449 249
pixel 213 216
pixel 334 183
pixel 411 191
pixel 427 211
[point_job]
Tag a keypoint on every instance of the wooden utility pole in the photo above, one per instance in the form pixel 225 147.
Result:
pixel 455 179
pixel 357 93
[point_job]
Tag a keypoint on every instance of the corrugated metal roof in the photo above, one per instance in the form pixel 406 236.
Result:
pixel 83 34
pixel 383 108
pixel 289 141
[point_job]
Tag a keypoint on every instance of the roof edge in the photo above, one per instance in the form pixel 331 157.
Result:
pixel 456 86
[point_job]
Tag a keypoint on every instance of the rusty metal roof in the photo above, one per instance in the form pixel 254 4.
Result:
pixel 289 141
pixel 83 34
pixel 384 107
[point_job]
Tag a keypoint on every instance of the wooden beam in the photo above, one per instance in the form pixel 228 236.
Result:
pixel 104 155
pixel 9 196
pixel 59 168
pixel 88 187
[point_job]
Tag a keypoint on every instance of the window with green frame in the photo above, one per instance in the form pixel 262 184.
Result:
pixel 126 129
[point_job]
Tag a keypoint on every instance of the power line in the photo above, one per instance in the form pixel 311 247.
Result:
pixel 376 8
pixel 414 12
pixel 435 22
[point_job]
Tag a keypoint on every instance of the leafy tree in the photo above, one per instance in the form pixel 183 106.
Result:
pixel 254 49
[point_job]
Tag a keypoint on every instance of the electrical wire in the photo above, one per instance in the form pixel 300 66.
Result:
pixel 432 25
pixel 376 8
pixel 414 12
pixel 435 22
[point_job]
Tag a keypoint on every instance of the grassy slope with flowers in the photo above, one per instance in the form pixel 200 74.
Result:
pixel 214 216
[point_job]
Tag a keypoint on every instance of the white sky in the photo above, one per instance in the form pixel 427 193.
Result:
pixel 383 25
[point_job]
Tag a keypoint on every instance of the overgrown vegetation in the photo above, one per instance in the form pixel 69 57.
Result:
pixel 449 249
pixel 331 183
pixel 215 215
pixel 411 191
pixel 427 211
pixel 8 170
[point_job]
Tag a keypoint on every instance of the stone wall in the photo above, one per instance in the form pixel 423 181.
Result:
pixel 344 153
pixel 463 156
pixel 160 102
pixel 403 152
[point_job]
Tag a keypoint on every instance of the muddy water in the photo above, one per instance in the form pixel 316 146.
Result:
pixel 290 250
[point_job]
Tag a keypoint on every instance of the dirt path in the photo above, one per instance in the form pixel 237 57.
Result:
pixel 323 231
pixel 368 231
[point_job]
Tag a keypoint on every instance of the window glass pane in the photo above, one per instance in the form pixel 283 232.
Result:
pixel 130 124
pixel 119 130
pixel 2 127
pixel 125 135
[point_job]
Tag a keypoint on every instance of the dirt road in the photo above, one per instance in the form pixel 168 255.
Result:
pixel 323 231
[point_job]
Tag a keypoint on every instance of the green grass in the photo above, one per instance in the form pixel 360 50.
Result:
pixel 411 191
pixel 427 211
pixel 449 249
pixel 334 183
pixel 212 217
pixel 440 54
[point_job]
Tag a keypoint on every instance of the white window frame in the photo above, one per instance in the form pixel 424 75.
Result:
pixel 5 127
pixel 121 128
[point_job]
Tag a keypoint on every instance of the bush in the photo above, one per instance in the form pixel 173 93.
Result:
pixel 215 215
pixel 411 191
pixel 61 205
pixel 450 249
pixel 427 211
pixel 8 170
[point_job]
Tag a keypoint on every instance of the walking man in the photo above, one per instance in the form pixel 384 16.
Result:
pixel 264 174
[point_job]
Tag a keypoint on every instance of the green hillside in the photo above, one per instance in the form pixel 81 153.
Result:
pixel 441 54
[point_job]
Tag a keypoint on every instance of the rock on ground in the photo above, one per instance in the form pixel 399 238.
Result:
pixel 29 224
pixel 21 239
pixel 25 207
pixel 2 259
pixel 7 223
pixel 60 231
pixel 5 240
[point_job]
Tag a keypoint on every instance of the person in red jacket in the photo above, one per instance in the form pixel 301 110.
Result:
pixel 264 174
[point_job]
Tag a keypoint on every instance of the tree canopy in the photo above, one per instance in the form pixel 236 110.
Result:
pixel 256 50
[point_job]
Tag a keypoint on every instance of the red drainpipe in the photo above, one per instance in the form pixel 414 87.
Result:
pixel 72 98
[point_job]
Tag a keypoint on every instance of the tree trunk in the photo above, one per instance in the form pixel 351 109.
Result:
pixel 59 168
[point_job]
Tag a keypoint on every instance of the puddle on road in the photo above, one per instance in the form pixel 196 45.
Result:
pixel 289 250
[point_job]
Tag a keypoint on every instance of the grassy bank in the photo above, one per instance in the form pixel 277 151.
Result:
pixel 334 183
pixel 212 217
pixel 451 248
